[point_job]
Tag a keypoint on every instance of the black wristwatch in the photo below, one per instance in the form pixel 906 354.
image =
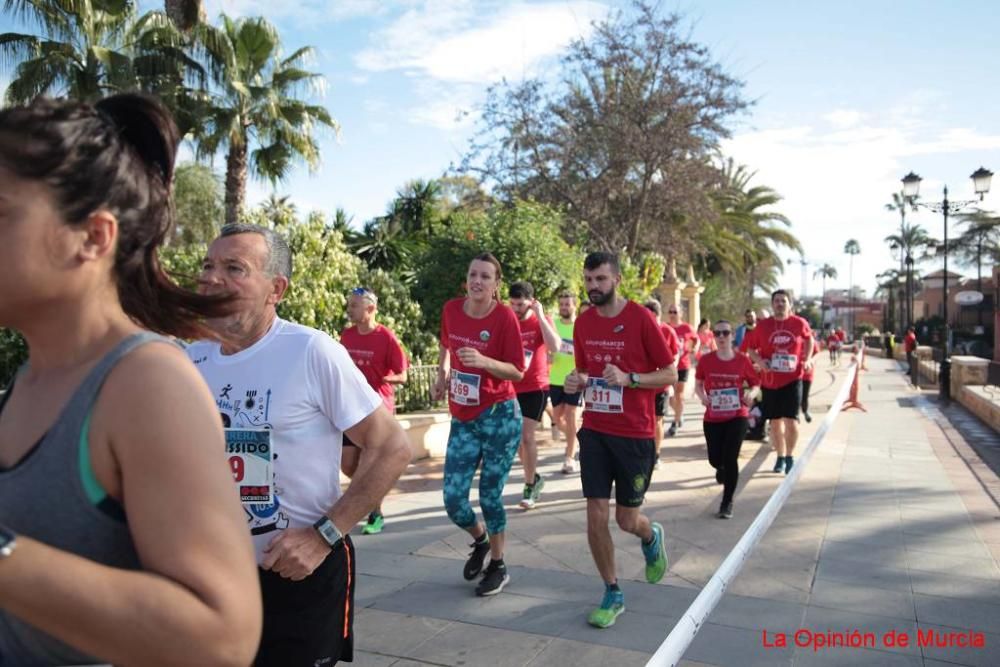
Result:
pixel 633 380
pixel 329 532
pixel 8 540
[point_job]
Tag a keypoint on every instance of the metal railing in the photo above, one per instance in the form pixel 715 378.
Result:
pixel 415 395
pixel 993 378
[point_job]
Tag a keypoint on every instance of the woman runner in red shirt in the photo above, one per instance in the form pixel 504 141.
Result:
pixel 720 376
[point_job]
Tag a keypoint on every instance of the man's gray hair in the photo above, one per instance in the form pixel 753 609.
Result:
pixel 279 255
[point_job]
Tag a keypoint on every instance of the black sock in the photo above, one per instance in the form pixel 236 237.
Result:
pixel 498 563
pixel 612 587
pixel 483 539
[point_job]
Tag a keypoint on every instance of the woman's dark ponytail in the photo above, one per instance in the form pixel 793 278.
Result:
pixel 117 154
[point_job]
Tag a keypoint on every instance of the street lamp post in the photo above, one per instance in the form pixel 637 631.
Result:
pixel 911 188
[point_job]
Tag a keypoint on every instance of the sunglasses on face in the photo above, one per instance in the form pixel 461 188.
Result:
pixel 722 333
pixel 671 312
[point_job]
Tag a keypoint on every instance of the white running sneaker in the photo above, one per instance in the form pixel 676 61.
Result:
pixel 555 432
pixel 569 466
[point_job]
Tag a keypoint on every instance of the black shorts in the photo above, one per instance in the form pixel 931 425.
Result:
pixel 682 374
pixel 783 402
pixel 559 397
pixel 310 622
pixel 612 459
pixel 660 403
pixel 532 404
pixel 348 442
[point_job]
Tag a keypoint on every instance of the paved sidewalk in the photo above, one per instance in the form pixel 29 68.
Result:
pixel 893 526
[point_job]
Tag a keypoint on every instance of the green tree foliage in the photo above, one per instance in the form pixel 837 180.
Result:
pixel 197 203
pixel 622 142
pixel 526 238
pixel 13 353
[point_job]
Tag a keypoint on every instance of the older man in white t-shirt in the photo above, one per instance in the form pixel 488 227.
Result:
pixel 287 395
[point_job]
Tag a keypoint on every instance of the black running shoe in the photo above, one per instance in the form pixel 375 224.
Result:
pixel 474 565
pixel 779 465
pixel 494 580
pixel 718 475
pixel 808 417
pixel 725 511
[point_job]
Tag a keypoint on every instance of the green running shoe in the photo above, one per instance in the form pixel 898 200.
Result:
pixel 536 488
pixel 375 524
pixel 656 555
pixel 611 608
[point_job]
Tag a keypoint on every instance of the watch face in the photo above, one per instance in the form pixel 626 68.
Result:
pixel 6 542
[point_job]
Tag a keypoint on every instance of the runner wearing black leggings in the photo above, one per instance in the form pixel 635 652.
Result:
pixel 720 377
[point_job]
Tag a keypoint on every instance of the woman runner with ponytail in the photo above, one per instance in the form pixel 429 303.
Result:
pixel 122 539
pixel 481 354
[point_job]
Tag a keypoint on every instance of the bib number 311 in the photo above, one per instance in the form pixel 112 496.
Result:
pixel 602 397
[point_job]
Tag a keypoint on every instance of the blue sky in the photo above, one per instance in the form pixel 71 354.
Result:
pixel 849 97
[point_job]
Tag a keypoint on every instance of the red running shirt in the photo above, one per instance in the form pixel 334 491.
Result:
pixel 536 378
pixel 910 342
pixel 376 354
pixel 498 336
pixel 684 333
pixel 723 381
pixel 633 342
pixel 673 344
pixel 781 344
pixel 832 341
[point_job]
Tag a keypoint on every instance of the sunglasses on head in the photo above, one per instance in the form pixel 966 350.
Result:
pixel 722 333
pixel 365 292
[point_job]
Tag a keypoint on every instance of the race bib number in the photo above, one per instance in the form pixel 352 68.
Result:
pixel 250 455
pixel 465 388
pixel 724 400
pixel 565 346
pixel 784 363
pixel 602 397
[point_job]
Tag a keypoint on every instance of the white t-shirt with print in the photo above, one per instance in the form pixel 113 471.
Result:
pixel 302 385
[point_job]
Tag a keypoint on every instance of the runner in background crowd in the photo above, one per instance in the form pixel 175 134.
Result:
pixel 121 536
pixel 622 359
pixel 910 347
pixel 706 341
pixel 687 339
pixel 749 322
pixel 481 357
pixel 380 358
pixel 660 401
pixel 833 345
pixel 564 405
pixel 781 346
pixel 720 377
pixel 299 387
pixel 538 338
pixel 807 380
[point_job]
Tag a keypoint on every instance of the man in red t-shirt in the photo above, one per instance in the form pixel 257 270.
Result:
pixel 660 401
pixel 782 347
pixel 380 358
pixel 622 360
pixel 538 338
pixel 687 337
pixel 910 346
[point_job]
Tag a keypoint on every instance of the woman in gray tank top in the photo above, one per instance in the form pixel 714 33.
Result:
pixel 122 538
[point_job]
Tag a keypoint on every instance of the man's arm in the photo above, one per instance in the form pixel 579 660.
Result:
pixel 657 379
pixel 549 333
pixel 385 453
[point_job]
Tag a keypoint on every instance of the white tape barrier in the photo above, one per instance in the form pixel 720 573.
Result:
pixel 680 638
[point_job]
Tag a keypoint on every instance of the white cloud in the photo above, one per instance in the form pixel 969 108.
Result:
pixel 478 45
pixel 843 118
pixel 305 11
pixel 451 49
pixel 836 183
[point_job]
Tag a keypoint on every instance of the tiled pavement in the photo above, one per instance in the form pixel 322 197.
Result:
pixel 894 526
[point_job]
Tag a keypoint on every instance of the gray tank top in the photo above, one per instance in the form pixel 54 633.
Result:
pixel 43 497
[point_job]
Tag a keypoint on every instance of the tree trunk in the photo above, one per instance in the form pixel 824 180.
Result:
pixel 236 181
pixel 184 13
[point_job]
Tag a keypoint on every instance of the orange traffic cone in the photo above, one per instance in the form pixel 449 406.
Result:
pixel 852 400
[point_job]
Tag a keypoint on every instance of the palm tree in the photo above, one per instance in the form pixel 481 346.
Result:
pixel 415 207
pixel 914 243
pixel 824 272
pixel 888 281
pixel 746 231
pixel 87 50
pixel 257 116
pixel 980 239
pixel 852 248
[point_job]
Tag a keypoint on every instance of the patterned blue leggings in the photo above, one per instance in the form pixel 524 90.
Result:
pixel 491 438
